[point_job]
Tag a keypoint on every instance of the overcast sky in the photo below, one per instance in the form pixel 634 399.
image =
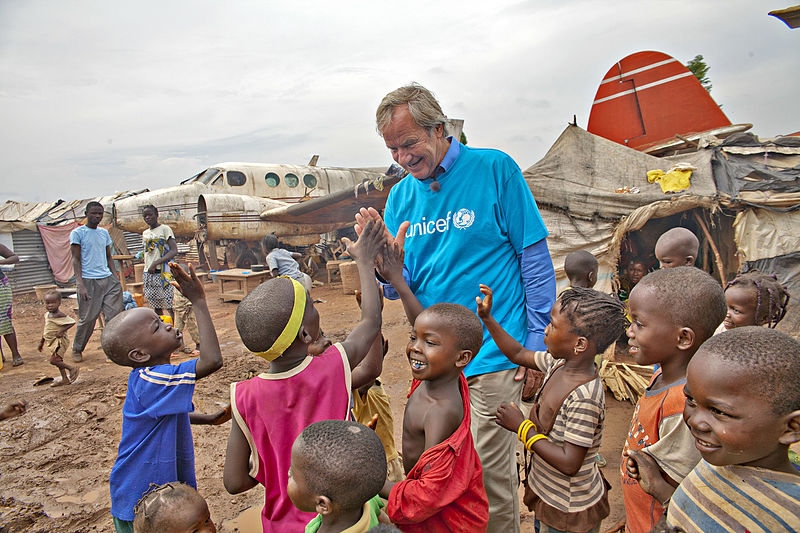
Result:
pixel 98 96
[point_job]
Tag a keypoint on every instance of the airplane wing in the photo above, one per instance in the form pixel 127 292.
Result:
pixel 338 207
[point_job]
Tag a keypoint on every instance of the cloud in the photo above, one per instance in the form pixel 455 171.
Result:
pixel 99 96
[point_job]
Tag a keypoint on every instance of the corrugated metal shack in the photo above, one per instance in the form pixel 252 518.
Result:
pixel 19 231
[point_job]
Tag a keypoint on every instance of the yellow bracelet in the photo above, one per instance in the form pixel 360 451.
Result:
pixel 533 440
pixel 523 428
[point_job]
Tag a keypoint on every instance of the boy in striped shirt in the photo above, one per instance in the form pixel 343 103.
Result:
pixel 743 409
pixel 156 444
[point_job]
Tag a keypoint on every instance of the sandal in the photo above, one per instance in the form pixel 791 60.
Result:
pixel 18 361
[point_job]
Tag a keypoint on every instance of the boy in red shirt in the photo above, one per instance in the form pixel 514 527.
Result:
pixel 444 489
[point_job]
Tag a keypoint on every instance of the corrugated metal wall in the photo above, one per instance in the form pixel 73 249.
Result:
pixel 33 268
pixel 134 242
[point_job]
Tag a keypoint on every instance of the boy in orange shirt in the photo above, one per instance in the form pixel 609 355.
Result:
pixel 673 312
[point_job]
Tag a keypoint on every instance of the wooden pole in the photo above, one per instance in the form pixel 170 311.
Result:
pixel 717 257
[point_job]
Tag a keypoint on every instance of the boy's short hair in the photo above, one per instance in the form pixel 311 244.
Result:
pixel 465 325
pixel 262 314
pixel 152 511
pixel 682 239
pixel 770 360
pixel 92 204
pixel 150 207
pixel 117 340
pixel 689 297
pixel 343 460
pixel 579 263
pixel 597 316
pixel 269 241
pixel 52 294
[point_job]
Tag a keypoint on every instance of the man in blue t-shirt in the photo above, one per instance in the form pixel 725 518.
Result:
pixel 95 277
pixel 465 216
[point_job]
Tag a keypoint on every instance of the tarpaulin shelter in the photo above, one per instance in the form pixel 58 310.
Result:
pixel 19 233
pixel 583 189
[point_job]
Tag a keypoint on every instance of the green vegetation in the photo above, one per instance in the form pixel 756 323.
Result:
pixel 699 68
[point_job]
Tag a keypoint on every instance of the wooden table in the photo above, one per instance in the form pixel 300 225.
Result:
pixel 236 283
pixel 121 272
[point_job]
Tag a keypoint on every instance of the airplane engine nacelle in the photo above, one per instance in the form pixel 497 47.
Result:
pixel 235 216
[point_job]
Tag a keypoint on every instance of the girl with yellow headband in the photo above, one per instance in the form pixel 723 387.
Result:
pixel 278 321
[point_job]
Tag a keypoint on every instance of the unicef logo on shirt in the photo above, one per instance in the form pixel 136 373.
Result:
pixel 463 218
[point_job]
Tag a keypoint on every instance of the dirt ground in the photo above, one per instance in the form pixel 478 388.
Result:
pixel 56 458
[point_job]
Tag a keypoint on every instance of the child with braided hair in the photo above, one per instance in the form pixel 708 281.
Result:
pixel 172 508
pixel 565 487
pixel 754 299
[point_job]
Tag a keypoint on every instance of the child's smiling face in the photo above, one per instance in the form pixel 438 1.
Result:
pixel 651 336
pixel 732 424
pixel 432 348
pixel 741 307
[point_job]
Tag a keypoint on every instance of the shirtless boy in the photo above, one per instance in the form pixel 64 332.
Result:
pixel 444 486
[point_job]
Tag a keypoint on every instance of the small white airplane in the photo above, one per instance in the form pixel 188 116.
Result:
pixel 235 204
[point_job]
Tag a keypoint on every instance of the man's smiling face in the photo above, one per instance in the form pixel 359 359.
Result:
pixel 412 147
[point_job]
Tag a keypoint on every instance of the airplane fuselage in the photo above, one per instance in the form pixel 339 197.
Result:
pixel 251 187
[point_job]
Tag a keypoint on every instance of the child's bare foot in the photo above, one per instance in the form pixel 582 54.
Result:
pixel 73 375
pixel 60 382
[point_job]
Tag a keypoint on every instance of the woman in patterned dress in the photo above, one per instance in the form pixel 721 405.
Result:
pixel 6 327
pixel 159 249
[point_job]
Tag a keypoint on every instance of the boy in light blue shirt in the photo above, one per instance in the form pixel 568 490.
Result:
pixel 95 276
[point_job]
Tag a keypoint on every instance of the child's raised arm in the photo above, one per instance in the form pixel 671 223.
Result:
pixel 370 368
pixel 364 251
pixel 189 285
pixel 511 348
pixel 390 267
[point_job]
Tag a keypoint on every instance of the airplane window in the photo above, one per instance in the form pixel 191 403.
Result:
pixel 236 178
pixel 272 179
pixel 291 180
pixel 206 176
pixel 310 181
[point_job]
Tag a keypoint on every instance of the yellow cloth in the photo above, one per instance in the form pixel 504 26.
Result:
pixel 674 180
pixel 376 401
pixel 52 326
